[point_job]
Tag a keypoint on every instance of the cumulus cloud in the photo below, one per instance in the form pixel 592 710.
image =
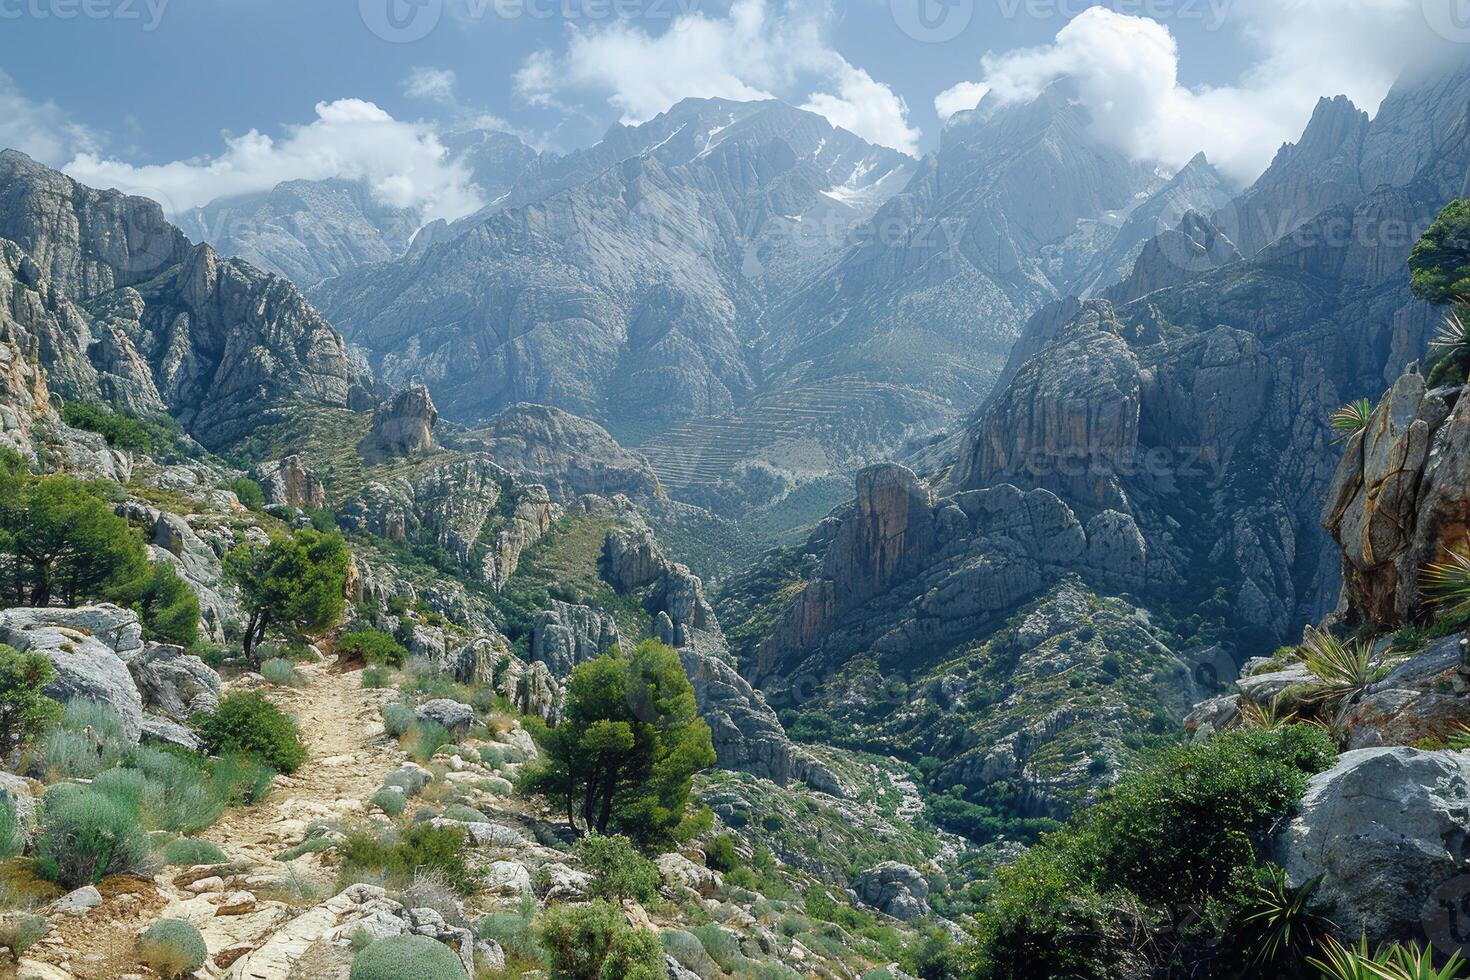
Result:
pixel 958 98
pixel 41 130
pixel 1127 72
pixel 753 52
pixel 403 162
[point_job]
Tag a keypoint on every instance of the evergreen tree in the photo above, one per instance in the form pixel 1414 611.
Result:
pixel 297 583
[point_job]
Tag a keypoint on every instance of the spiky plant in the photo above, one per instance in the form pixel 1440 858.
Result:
pixel 1352 962
pixel 1269 716
pixel 1447 583
pixel 1452 337
pixel 1281 926
pixel 1351 418
pixel 1341 669
pixel 1412 963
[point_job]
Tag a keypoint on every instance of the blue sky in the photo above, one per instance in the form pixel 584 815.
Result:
pixel 120 86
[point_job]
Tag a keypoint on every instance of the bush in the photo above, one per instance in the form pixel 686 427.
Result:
pixel 618 871
pixel 376 678
pixel 87 837
pixel 720 854
pixel 578 939
pixel 407 958
pixel 247 722
pixel 372 648
pixel 173 947
pixel 280 673
pixel 634 954
pixel 19 933
pixel 686 948
pixel 166 606
pixel 398 718
pixel 178 794
pixel 187 852
pixel 240 780
pixel 24 711
pixel 88 740
pixel 425 738
pixel 248 491
pixel 12 834
pixel 390 801
pixel 515 934
pixel 421 847
pixel 464 814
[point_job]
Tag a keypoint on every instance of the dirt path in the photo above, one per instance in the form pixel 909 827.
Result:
pixel 347 757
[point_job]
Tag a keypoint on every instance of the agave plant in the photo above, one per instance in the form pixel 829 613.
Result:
pixel 1353 962
pixel 1447 583
pixel 1452 336
pixel 1269 716
pixel 1342 669
pixel 1281 926
pixel 1411 963
pixel 1351 418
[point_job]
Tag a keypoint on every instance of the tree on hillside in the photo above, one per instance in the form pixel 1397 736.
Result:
pixel 623 758
pixel 25 712
pixel 297 583
pixel 60 540
pixel 1439 268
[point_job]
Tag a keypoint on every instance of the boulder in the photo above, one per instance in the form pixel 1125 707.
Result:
pixel 86 667
pixel 78 902
pixel 678 874
pixel 1388 832
pixel 160 729
pixel 455 716
pixel 289 482
pixel 894 889
pixel 404 426
pixel 174 683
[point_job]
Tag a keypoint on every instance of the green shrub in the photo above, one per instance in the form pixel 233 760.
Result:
pixel 634 954
pixel 12 834
pixel 187 852
pixel 390 801
pixel 173 947
pixel 464 814
pixel 373 648
pixel 492 756
pixel 515 934
pixel 88 836
pixel 720 854
pixel 24 711
pixel 247 722
pixel 420 847
pixel 178 794
pixel 407 958
pixel 398 718
pixel 88 740
pixel 248 491
pixel 240 780
pixel 166 606
pixel 688 951
pixel 425 738
pixel 376 677
pixel 721 945
pixel 281 673
pixel 618 871
pixel 123 786
pixel 577 940
pixel 19 933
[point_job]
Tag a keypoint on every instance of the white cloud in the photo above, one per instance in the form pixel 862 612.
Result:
pixel 433 84
pixel 958 98
pixel 41 130
pixel 753 52
pixel 1127 72
pixel 404 163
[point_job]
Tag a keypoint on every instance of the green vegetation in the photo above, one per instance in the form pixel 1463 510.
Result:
pixel 19 933
pixel 1168 844
pixel 281 672
pixel 248 723
pixel 173 948
pixel 419 848
pixel 372 648
pixel 1439 269
pixel 618 871
pixel 167 607
pixel 294 583
pixel 156 435
pixel 1392 962
pixel 1351 419
pixel 407 958
pixel 24 711
pixel 88 739
pixel 595 942
pixel 87 837
pixel 248 492
pixel 376 677
pixel 629 743
pixel 187 852
pixel 516 935
pixel 390 801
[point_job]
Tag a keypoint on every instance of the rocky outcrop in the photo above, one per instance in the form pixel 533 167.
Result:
pixel 174 684
pixel 404 425
pixel 470 507
pixel 566 635
pixel 631 559
pixel 893 889
pixel 290 482
pixel 173 540
pixel 566 454
pixel 453 716
pixel 88 647
pixel 1386 830
pixel 1401 499
pixel 121 306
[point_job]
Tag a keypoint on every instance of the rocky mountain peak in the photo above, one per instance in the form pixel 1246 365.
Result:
pixel 404 425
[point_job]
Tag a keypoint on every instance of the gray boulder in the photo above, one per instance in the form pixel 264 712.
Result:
pixel 289 482
pixel 159 729
pixel 1388 831
pixel 893 889
pixel 405 425
pixel 453 715
pixel 173 683
pixel 86 667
